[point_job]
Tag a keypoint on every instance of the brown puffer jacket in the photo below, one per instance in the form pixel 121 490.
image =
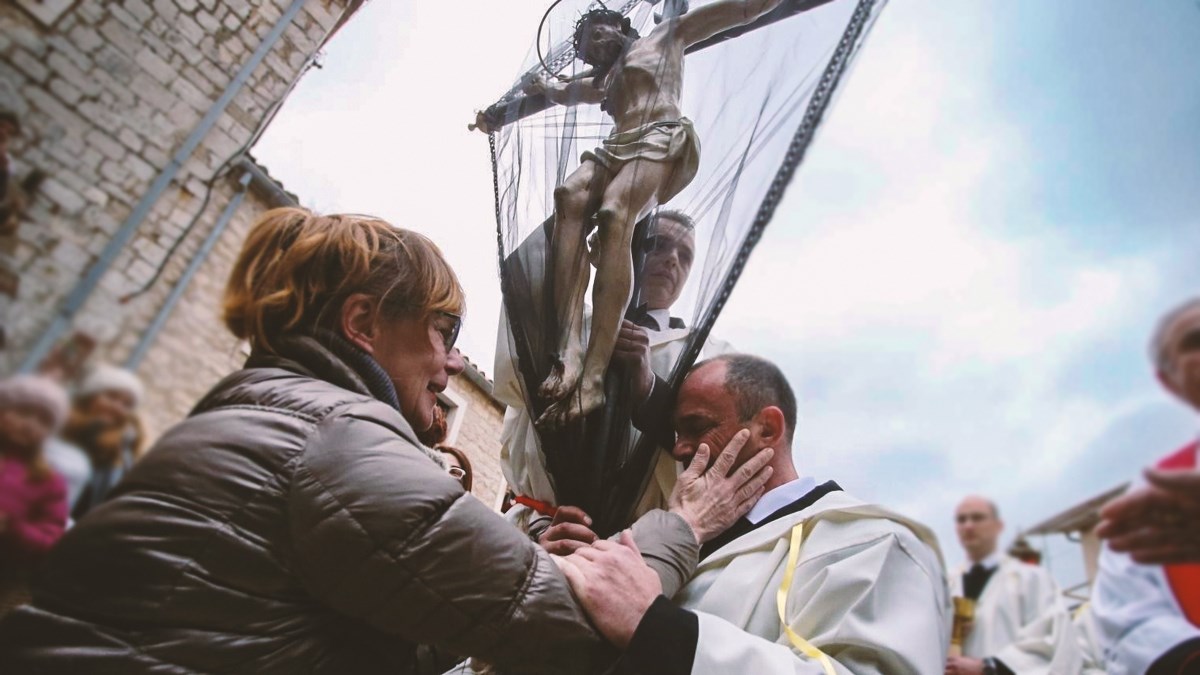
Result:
pixel 294 524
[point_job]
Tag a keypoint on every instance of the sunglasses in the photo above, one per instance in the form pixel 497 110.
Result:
pixel 450 332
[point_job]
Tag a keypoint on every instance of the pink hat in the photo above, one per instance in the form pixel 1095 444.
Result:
pixel 39 391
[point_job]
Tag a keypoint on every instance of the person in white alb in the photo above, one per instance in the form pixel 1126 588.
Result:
pixel 1021 625
pixel 647 347
pixel 811 581
pixel 1146 599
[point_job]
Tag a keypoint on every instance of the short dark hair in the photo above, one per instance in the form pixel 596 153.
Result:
pixel 680 217
pixel 602 15
pixel 756 383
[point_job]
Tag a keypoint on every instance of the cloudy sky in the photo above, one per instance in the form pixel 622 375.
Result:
pixel 1005 197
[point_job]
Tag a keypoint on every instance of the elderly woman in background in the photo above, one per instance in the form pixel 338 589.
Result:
pixel 295 523
pixel 33 501
pixel 102 438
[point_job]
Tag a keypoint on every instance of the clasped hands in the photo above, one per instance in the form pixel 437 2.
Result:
pixel 610 579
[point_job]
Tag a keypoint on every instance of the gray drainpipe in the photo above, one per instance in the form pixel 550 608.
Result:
pixel 87 285
pixel 164 312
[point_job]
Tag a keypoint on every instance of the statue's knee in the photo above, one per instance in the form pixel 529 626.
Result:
pixel 569 200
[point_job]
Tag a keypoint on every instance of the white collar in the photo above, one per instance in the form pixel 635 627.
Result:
pixel 989 563
pixel 779 497
pixel 661 316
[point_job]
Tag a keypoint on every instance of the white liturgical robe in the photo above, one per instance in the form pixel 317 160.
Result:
pixel 1020 619
pixel 868 590
pixel 521 456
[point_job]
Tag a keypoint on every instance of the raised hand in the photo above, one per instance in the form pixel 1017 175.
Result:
pixel 1159 523
pixel 709 499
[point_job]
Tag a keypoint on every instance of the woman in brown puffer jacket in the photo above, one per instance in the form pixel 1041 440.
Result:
pixel 293 523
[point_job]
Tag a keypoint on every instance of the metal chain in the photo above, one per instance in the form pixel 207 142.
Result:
pixel 499 219
pixel 783 177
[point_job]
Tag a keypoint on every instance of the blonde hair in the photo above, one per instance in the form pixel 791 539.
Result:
pixel 296 268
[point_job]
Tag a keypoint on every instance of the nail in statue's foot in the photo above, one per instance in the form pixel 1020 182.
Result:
pixel 576 405
pixel 562 380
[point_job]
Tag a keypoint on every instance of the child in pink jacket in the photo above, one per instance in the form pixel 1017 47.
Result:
pixel 33 498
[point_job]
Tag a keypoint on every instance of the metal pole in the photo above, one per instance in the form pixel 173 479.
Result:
pixel 164 312
pixel 87 285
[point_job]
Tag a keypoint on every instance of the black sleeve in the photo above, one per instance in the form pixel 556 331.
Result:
pixel 664 642
pixel 1182 659
pixel 1001 669
pixel 653 418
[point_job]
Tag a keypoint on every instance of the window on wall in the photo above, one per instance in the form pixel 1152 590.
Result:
pixel 455 407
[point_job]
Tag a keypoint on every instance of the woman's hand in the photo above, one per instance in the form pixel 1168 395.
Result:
pixel 709 499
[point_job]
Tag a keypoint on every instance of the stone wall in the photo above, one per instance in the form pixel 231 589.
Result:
pixel 106 95
pixel 478 433
pixel 107 92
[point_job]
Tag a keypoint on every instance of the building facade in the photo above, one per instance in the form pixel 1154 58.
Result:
pixel 130 191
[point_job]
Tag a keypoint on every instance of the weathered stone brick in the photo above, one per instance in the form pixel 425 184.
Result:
pixel 131 139
pixel 64 47
pixel 67 199
pixel 50 107
pixel 128 20
pixel 140 9
pixel 65 91
pixel 30 65
pixel 68 70
pixel 115 63
pixel 106 145
pixel 189 29
pixel 140 168
pixel 188 92
pixel 154 64
pixel 207 21
pixel 165 9
pixel 117 35
pixel 153 93
pixel 86 38
pixel 188 6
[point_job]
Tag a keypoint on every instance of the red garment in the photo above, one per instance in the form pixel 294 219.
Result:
pixel 36 512
pixel 1184 579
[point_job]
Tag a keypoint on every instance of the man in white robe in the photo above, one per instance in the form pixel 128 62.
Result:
pixel 811 581
pixel 1021 625
pixel 648 350
pixel 1146 599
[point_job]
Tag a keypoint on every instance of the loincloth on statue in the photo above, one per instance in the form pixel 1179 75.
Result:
pixel 669 141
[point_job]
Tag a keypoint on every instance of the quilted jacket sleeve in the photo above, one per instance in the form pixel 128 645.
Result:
pixel 381 534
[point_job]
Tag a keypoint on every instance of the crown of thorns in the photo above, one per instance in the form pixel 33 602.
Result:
pixel 601 15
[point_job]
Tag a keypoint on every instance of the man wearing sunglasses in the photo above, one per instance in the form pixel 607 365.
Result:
pixel 1021 625
pixel 1146 599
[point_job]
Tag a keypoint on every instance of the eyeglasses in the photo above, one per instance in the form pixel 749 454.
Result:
pixel 972 517
pixel 450 333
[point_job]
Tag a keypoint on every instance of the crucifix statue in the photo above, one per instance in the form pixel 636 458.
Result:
pixel 651 155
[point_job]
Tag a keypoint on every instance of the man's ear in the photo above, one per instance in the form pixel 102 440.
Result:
pixel 1168 382
pixel 771 427
pixel 357 321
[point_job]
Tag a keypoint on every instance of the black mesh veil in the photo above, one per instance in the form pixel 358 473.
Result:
pixel 755 95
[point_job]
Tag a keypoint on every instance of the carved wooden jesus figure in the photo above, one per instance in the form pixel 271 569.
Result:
pixel 651 155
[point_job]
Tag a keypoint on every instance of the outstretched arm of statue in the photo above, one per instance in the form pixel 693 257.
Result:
pixel 578 89
pixel 704 22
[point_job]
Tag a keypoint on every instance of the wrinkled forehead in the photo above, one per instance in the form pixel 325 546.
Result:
pixel 703 391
